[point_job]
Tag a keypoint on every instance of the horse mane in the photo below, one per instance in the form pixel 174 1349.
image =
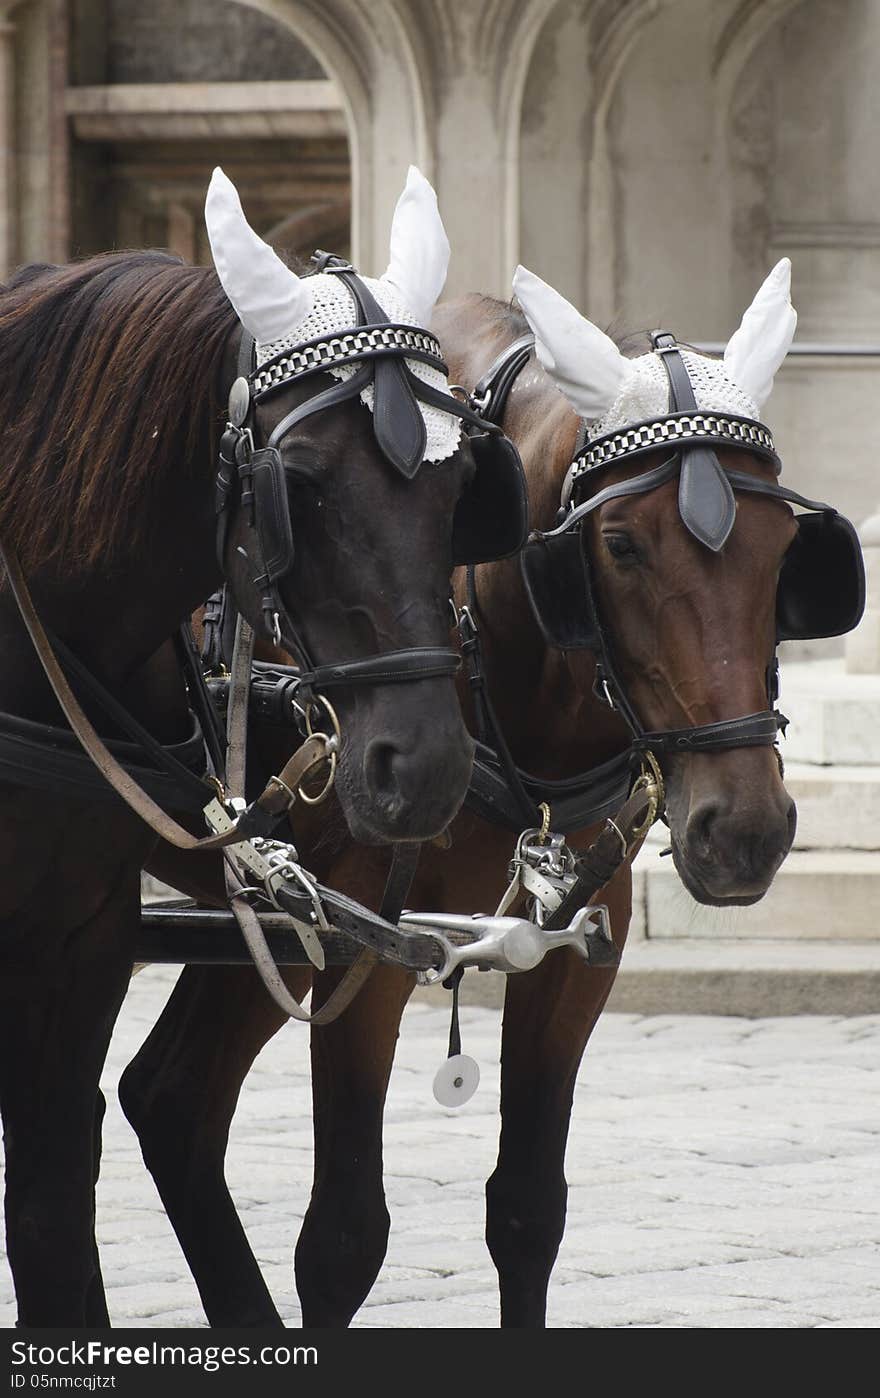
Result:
pixel 108 376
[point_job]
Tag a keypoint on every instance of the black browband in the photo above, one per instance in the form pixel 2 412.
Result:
pixel 381 348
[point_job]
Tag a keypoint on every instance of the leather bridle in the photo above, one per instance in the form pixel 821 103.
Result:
pixel 707 507
pixel 379 349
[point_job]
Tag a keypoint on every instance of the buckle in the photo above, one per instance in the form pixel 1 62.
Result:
pixel 330 262
pixel 467 627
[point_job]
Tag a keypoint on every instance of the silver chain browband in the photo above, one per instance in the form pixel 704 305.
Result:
pixel 346 348
pixel 677 427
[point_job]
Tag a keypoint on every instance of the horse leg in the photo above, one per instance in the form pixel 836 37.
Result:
pixel 345 1231
pixel 549 1014
pixel 56 1017
pixel 180 1094
pixel 97 1315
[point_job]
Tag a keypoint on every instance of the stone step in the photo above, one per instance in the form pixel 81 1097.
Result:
pixel 817 895
pixel 838 807
pixel 699 977
pixel 756 979
pixel 835 716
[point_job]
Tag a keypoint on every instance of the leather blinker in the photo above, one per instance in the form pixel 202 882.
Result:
pixel 706 501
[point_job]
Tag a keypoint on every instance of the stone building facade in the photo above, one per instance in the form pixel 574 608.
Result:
pixel 652 158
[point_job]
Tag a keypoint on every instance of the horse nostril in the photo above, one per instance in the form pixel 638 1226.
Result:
pixel 791 822
pixel 699 828
pixel 380 760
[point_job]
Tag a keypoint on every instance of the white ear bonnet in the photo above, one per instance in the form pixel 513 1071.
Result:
pixel 282 310
pixel 610 391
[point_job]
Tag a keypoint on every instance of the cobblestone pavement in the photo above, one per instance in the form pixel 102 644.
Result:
pixel 723 1173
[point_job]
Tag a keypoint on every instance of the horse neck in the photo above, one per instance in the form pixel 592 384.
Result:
pixel 544 699
pixel 114 617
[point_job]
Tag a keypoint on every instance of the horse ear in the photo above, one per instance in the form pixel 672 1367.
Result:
pixel 580 358
pixel 419 247
pixel 268 298
pixel 756 350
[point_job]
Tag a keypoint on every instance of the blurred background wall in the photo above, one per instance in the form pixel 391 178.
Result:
pixel 652 158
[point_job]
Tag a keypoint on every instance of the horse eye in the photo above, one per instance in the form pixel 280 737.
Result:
pixel 303 471
pixel 621 546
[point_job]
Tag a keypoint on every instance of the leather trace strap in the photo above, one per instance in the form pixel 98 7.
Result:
pixel 247 918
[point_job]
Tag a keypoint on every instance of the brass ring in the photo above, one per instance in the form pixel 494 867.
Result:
pixel 332 747
pixel 544 808
pixel 326 788
pixel 651 782
pixel 328 710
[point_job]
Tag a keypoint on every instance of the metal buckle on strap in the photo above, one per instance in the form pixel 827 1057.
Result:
pixel 282 786
pixel 543 868
pixel 468 631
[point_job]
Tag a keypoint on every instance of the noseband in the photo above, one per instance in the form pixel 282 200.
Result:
pixel 379 349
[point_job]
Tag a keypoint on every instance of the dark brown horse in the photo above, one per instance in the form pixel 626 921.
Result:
pixel 114 375
pixel 693 634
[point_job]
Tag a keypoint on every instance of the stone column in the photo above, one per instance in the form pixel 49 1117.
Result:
pixel 863 644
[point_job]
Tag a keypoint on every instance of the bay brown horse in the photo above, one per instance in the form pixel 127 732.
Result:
pixel 114 375
pixel 693 633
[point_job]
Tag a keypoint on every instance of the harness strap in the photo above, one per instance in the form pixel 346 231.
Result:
pixel 397 421
pixel 247 919
pixel 391 667
pixel 491 392
pixel 191 665
pixel 400 876
pixel 576 802
pixel 596 866
pixel 752 730
pixel 307 758
pixel 186 779
pixel 487 719
pixel 499 790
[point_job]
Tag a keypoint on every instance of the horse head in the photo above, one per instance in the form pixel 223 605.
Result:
pixel 346 459
pixel 678 565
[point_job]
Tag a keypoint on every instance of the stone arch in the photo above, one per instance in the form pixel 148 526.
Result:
pixel 367 48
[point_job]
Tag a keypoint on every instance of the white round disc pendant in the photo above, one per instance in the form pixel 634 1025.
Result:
pixel 456 1081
